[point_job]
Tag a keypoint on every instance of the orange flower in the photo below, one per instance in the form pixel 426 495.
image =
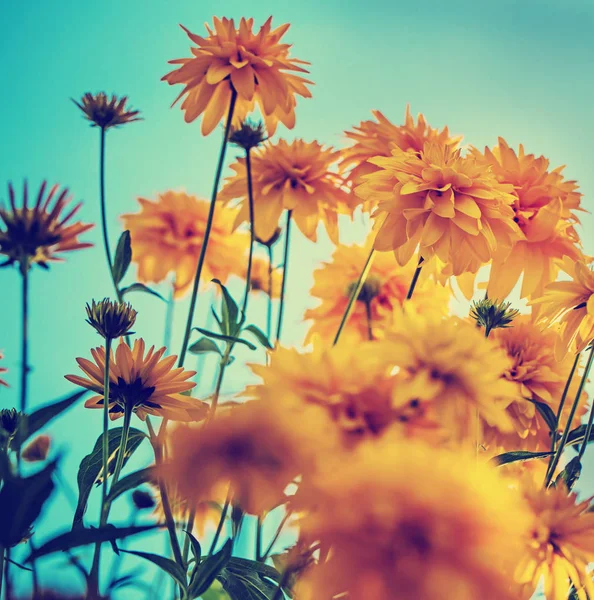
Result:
pixel 106 113
pixel 451 206
pixel 167 236
pixel 385 289
pixel 256 66
pixel 3 370
pixel 542 206
pixel 146 384
pixel 37 235
pixel 296 176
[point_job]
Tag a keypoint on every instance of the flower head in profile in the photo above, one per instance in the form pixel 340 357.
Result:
pixel 167 235
pixel 39 234
pixel 450 206
pixel 384 290
pixel 296 176
pixel 143 382
pixel 559 545
pixel 248 135
pixel 3 370
pixel 542 207
pixel 111 319
pixel 10 419
pixel 490 314
pixel 256 66
pixel 106 112
pixel 570 306
pixel 410 521
pixel 263 280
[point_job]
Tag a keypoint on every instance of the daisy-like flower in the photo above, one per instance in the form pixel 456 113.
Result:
pixel 145 383
pixel 296 176
pixel 570 305
pixel 256 66
pixel 262 280
pixel 384 289
pixel 543 207
pixel 538 377
pixel 106 112
pixel 167 235
pixel 451 206
pixel 410 521
pixel 559 545
pixel 3 370
pixel 39 234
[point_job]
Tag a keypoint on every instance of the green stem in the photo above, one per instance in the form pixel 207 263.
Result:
pixel 189 527
pixel 354 295
pixel 248 277
pixel 24 349
pixel 123 444
pixel 368 313
pixel 7 580
pixel 285 271
pixel 276 535
pixel 220 525
pixel 105 445
pixel 169 320
pixel 567 428
pixel 217 392
pixel 279 595
pixel 193 298
pixel 269 309
pixel 259 539
pixel 1 568
pixel 415 278
pixel 590 418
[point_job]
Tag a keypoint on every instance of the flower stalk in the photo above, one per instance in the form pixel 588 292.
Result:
pixel 413 283
pixel 281 306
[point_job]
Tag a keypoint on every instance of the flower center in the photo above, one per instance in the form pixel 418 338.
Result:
pixel 131 394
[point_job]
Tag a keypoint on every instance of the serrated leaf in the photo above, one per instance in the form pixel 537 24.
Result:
pixel 547 414
pixel 517 455
pixel 207 571
pixel 226 338
pixel 140 287
pixel 203 346
pixel 570 474
pixel 131 481
pixel 91 466
pixel 123 257
pixel 230 311
pixel 166 564
pixel 259 335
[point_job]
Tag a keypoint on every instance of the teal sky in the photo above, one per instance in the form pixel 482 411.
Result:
pixel 522 70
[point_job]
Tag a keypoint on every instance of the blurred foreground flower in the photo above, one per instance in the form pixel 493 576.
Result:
pixel 37 450
pixel 106 112
pixel 144 384
pixel 111 319
pixel 38 234
pixel 3 370
pixel 167 235
pixel 254 65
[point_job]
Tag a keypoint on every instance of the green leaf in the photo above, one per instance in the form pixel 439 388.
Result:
pixel 123 257
pixel 259 335
pixel 230 311
pixel 226 338
pixel 250 580
pixel 91 466
pixel 196 548
pixel 204 346
pixel 84 536
pixel 140 287
pixel 547 414
pixel 21 501
pixel 571 473
pixel 510 457
pixel 166 564
pixel 215 592
pixel 131 481
pixel 207 571
pixel 577 435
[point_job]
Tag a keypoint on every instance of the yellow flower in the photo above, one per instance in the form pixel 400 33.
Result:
pixel 3 370
pixel 407 521
pixel 146 384
pixel 167 236
pixel 570 304
pixel 257 66
pixel 262 280
pixel 104 112
pixel 450 372
pixel 559 544
pixel 451 206
pixel 542 206
pixel 538 377
pixel 384 290
pixel 250 447
pixel 296 176
pixel 38 235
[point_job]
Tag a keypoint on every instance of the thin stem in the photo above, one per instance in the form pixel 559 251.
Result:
pixel 567 428
pixel 368 313
pixel 276 535
pixel 103 203
pixel 259 539
pixel 1 568
pixel 219 382
pixel 25 338
pixel 105 446
pixel 590 418
pixel 354 295
pixel 220 525
pixel 169 319
pixel 215 189
pixel 281 306
pixel 123 444
pixel 278 595
pixel 189 527
pixel 248 277
pixel 415 278
pixel 7 580
pixel 269 309
pixel 562 404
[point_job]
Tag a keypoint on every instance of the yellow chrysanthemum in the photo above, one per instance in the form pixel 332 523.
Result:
pixel 146 384
pixel 538 377
pixel 570 304
pixel 407 521
pixel 559 545
pixel 451 206
pixel 167 236
pixel 264 280
pixel 296 176
pixel 385 289
pixel 542 206
pixel 257 66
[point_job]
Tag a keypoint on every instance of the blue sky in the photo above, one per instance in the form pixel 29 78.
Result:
pixel 519 70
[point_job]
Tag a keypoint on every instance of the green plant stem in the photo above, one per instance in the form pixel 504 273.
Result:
pixel 189 527
pixel 217 535
pixel 281 306
pixel 415 278
pixel 105 445
pixel 562 404
pixel 248 277
pixel 278 595
pixel 562 443
pixel 1 568
pixel 276 535
pixel 215 189
pixel 590 419
pixel 354 295
pixel 259 539
pixel 169 312
pixel 24 349
pixel 269 308
pixel 123 444
pixel 217 392
pixel 7 580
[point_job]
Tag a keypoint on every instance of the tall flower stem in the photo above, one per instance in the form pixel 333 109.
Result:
pixel 415 278
pixel 354 295
pixel 281 306
pixel 1 568
pixel 590 420
pixel 215 189
pixel 105 445
pixel 217 535
pixel 259 524
pixel 269 308
pixel 248 277
pixel 169 312
pixel 562 404
pixel 563 442
pixel 123 444
pixel 276 535
pixel 24 337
